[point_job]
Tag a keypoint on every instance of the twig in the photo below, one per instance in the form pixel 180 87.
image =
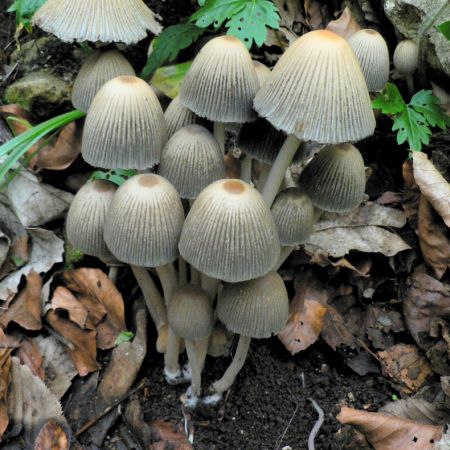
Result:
pixel 280 439
pixel 109 408
pixel 316 426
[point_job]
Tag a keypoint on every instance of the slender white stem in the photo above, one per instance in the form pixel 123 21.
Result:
pixel 279 168
pixel 236 365
pixel 286 250
pixel 168 277
pixel 219 134
pixel 182 271
pixel 263 176
pixel 210 285
pixel 196 351
pixel 410 84
pixel 112 274
pixel 246 169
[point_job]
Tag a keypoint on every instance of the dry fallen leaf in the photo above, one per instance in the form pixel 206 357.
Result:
pixel 386 432
pixel 345 25
pixel 64 299
pixel 30 356
pixel 432 185
pixel 5 376
pixel 314 14
pixel 52 436
pixel 335 331
pixel 166 435
pixel 442 95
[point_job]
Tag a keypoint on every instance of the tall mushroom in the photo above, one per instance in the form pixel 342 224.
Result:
pixel 406 57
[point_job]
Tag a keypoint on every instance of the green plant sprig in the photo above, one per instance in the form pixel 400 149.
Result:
pixel 116 176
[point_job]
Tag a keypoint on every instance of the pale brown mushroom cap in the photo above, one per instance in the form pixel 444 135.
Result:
pixel 317 91
pixel 99 68
pixel 192 160
pixel 256 308
pixel 373 55
pixel 86 218
pixel 190 313
pixel 335 179
pixel 97 20
pixel 406 57
pixel 294 215
pixel 144 222
pixel 178 116
pixel 125 126
pixel 229 233
pixel 222 82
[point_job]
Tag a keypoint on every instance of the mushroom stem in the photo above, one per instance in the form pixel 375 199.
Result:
pixel 196 351
pixel 210 285
pixel 410 84
pixel 219 134
pixel 234 368
pixel 112 274
pixel 263 176
pixel 279 168
pixel 182 271
pixel 168 278
pixel 286 250
pixel 195 276
pixel 246 169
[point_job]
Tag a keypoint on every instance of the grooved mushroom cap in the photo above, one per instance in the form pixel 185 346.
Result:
pixel 318 92
pixel 230 233
pixel 97 20
pixel 335 179
pixel 124 127
pixel 406 56
pixel 178 116
pixel 222 82
pixel 257 308
pixel 294 215
pixel 144 222
pixel 260 140
pixel 98 69
pixel 86 218
pixel 373 55
pixel 190 313
pixel 262 72
pixel 192 160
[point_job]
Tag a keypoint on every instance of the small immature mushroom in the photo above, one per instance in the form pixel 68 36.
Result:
pixel 229 233
pixel 221 84
pixel 262 72
pixel 125 126
pixel 191 317
pixel 99 68
pixel 406 57
pixel 335 178
pixel 373 55
pixel 191 160
pixel 219 341
pixel 257 308
pixel 178 116
pixel 124 21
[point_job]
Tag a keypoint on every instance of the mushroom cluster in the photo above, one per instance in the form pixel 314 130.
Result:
pixel 215 243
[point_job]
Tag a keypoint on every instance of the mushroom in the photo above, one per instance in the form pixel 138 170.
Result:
pixel 373 55
pixel 178 116
pixel 124 21
pixel 229 233
pixel 308 94
pixel 335 178
pixel 262 72
pixel 220 84
pixel 142 228
pixel 191 160
pixel 125 126
pixel 191 317
pixel 406 57
pixel 99 68
pixel 253 309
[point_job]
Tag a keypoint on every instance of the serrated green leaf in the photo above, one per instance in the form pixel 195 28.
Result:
pixel 168 44
pixel 444 28
pixel 412 127
pixel 123 336
pixel 25 10
pixel 390 101
pixel 215 12
pixel 425 103
pixel 168 79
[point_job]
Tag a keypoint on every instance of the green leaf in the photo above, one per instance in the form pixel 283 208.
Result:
pixel 390 101
pixel 412 127
pixel 444 28
pixel 168 79
pixel 116 176
pixel 425 103
pixel 123 336
pixel 215 12
pixel 25 10
pixel 168 44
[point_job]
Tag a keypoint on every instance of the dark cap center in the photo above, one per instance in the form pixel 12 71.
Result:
pixel 234 187
pixel 148 181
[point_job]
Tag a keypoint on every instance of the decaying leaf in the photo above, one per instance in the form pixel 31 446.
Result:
pixel 442 95
pixel 433 239
pixel 30 356
pixel 407 369
pixel 345 25
pixel 25 310
pixel 5 376
pixel 306 315
pixel 166 435
pixel 52 436
pixel 335 331
pixel 314 14
pixel 386 432
pixel 432 185
pixel 64 299
pixel 289 12
pixel 5 243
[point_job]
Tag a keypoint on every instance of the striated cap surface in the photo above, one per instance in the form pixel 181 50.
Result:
pixel 262 72
pixel 178 116
pixel 406 56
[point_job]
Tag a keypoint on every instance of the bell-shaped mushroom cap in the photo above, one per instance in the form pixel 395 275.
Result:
pixel 125 126
pixel 222 82
pixel 335 178
pixel 257 308
pixel 260 140
pixel 144 222
pixel 406 56
pixel 230 233
pixel 178 116
pixel 192 160
pixel 317 91
pixel 97 20
pixel 262 72
pixel 373 55
pixel 294 215
pixel 86 218
pixel 190 313
pixel 98 69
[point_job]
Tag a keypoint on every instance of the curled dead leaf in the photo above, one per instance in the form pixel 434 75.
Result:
pixel 314 14
pixel 52 436
pixel 345 25
pixel 30 356
pixel 64 299
pixel 166 435
pixel 5 377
